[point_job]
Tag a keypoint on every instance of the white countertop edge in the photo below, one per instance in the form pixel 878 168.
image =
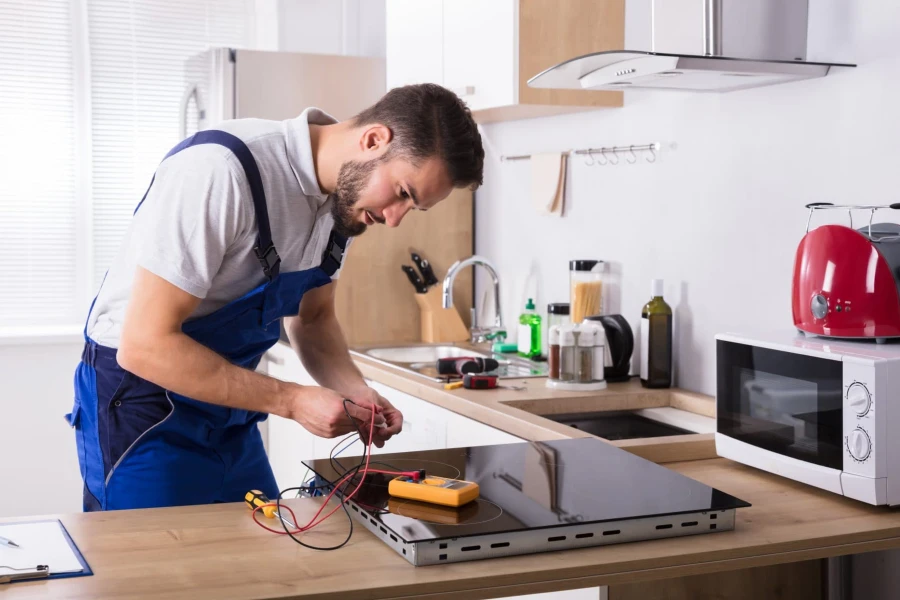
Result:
pixel 680 418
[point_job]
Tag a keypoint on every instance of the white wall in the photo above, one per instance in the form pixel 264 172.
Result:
pixel 39 472
pixel 719 215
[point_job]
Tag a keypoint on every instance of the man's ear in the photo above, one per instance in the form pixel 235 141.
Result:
pixel 375 138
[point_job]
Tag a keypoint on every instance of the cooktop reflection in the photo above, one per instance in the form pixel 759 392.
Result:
pixel 534 497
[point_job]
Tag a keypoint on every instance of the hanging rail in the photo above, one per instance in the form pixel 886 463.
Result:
pixel 652 148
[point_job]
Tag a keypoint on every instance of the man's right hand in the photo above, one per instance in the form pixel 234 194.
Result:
pixel 321 412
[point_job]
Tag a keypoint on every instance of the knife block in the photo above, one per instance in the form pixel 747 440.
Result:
pixel 439 324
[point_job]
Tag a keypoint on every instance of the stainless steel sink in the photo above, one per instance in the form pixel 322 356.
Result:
pixel 419 354
pixel 420 359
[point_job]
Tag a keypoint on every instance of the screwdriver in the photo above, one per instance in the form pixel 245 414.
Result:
pixel 255 498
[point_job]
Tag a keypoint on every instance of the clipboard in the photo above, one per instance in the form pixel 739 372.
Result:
pixel 39 573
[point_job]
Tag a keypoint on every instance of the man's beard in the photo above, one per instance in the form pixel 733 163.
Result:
pixel 352 178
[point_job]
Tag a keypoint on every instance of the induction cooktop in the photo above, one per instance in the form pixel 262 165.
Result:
pixel 534 497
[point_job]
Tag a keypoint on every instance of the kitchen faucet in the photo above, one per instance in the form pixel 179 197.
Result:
pixel 477 332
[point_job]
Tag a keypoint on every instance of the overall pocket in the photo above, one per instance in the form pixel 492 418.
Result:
pixel 136 406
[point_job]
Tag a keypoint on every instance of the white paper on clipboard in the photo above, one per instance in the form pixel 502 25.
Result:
pixel 40 543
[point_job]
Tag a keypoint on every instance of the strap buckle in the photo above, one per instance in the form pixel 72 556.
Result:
pixel 269 260
pixel 333 255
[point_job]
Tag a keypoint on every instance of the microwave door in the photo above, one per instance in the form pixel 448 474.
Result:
pixel 783 402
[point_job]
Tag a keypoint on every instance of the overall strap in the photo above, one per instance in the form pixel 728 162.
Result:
pixel 265 248
pixel 334 253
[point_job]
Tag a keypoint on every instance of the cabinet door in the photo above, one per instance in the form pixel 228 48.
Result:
pixel 463 432
pixel 480 51
pixel 288 442
pixel 413 42
pixel 424 424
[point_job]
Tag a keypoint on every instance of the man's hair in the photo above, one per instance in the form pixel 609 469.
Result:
pixel 426 121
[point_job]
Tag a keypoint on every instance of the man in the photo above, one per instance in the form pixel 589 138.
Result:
pixel 241 227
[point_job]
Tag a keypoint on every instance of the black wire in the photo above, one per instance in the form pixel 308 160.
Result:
pixel 340 493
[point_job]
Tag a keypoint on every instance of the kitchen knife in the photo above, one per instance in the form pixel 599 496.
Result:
pixel 424 268
pixel 414 279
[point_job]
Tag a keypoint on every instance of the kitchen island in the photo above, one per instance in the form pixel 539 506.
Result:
pixel 216 551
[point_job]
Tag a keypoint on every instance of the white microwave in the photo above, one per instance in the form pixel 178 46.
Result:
pixel 819 411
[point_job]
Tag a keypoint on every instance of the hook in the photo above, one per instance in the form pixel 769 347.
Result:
pixel 605 160
pixel 591 156
pixel 603 151
pixel 631 149
pixel 652 152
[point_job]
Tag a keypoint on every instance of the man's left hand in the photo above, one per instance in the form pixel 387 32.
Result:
pixel 393 417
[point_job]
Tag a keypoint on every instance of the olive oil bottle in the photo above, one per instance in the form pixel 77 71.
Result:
pixel 656 340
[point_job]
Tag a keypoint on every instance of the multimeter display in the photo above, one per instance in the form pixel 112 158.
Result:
pixel 436 490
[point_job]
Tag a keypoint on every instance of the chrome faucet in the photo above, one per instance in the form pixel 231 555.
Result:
pixel 477 332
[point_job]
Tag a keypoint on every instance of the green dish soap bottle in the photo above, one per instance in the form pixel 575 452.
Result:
pixel 529 337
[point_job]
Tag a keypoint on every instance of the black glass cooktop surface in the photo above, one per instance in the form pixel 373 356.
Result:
pixel 529 485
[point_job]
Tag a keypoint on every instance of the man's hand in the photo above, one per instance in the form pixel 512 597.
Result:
pixel 392 417
pixel 321 412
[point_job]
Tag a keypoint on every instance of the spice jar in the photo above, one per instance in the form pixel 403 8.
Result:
pixel 584 355
pixel 585 288
pixel 557 314
pixel 599 352
pixel 567 368
pixel 553 354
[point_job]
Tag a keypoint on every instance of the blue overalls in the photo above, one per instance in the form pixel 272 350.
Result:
pixel 141 446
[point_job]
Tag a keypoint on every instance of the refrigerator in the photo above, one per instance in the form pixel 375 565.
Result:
pixel 227 83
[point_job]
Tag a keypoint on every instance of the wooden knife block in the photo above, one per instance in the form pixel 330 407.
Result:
pixel 439 324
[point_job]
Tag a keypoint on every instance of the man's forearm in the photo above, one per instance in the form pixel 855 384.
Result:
pixel 322 348
pixel 178 363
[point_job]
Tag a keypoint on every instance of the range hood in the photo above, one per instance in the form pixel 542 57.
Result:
pixel 738 44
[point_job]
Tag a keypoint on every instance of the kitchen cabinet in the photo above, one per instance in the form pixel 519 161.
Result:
pixel 425 425
pixel 487 51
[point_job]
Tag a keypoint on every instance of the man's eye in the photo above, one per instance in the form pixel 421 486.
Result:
pixel 403 194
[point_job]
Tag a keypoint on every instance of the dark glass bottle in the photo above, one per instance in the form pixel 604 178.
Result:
pixel 656 340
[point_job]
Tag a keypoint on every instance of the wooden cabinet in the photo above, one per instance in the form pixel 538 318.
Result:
pixel 487 51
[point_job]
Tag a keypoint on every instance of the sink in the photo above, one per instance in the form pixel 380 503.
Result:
pixel 420 354
pixel 618 425
pixel 420 359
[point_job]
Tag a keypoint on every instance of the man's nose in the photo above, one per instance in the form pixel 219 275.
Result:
pixel 395 213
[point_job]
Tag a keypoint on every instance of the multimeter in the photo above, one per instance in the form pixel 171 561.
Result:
pixel 436 490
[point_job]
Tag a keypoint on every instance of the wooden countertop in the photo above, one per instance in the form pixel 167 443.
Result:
pixel 520 412
pixel 216 552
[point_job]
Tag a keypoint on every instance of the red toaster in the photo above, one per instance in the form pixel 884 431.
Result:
pixel 846 280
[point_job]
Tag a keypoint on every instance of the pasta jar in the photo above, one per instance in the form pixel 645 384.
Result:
pixel 585 289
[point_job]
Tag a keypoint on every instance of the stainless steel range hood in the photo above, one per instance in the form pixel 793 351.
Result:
pixel 704 46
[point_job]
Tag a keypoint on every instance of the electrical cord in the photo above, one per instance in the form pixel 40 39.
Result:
pixel 339 487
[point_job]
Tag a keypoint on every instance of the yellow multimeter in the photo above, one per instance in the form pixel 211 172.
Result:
pixel 436 490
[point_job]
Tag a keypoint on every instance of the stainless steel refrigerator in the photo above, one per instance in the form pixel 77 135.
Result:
pixel 225 83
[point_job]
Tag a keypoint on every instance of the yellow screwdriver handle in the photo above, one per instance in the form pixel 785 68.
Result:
pixel 256 498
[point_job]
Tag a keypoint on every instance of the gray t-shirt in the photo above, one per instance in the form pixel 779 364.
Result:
pixel 196 229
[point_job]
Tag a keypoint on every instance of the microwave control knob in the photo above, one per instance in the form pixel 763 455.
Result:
pixel 859 398
pixel 858 444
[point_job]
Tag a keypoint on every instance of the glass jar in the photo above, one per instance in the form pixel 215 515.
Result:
pixel 584 355
pixel 553 352
pixel 558 314
pixel 585 288
pixel 599 352
pixel 567 368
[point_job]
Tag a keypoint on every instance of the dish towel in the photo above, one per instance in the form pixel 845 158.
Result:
pixel 548 182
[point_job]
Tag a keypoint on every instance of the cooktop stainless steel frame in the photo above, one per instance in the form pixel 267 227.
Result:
pixel 532 541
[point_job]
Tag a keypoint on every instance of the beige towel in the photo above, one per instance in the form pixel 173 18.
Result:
pixel 548 182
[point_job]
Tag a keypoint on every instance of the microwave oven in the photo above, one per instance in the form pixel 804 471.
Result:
pixel 822 412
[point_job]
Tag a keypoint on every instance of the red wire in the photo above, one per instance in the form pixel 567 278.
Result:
pixel 312 523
